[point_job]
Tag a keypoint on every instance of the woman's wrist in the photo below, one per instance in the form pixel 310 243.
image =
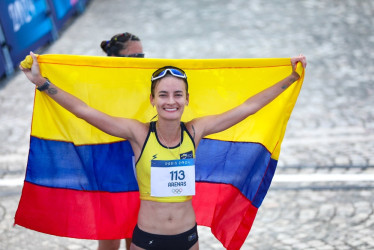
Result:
pixel 44 86
pixel 40 81
pixel 294 76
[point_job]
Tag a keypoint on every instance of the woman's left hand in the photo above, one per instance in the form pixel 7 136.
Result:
pixel 294 60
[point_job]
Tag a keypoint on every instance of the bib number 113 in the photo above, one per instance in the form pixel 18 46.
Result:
pixel 177 175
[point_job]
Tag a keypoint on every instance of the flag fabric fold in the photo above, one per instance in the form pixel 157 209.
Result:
pixel 80 182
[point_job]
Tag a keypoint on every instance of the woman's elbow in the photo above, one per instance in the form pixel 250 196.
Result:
pixel 80 112
pixel 252 109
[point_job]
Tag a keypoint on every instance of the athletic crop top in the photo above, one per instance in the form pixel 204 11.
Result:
pixel 154 150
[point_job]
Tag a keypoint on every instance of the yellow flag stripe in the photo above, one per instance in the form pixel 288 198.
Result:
pixel 121 87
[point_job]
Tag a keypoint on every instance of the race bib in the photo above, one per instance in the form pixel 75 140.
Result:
pixel 172 178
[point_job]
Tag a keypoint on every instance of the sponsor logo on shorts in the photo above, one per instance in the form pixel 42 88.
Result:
pixel 192 237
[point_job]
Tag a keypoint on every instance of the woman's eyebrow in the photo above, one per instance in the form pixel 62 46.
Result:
pixel 165 92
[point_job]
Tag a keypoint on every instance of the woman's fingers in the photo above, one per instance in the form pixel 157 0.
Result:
pixel 301 58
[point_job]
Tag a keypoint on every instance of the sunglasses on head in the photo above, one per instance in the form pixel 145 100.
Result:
pixel 140 55
pixel 160 73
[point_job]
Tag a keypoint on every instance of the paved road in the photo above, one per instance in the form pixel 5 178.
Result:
pixel 322 196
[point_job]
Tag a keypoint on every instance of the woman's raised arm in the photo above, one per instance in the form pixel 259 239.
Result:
pixel 120 127
pixel 207 125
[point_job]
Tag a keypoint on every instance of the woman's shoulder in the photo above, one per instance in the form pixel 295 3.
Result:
pixel 135 128
pixel 139 133
pixel 144 126
pixel 193 129
pixel 197 128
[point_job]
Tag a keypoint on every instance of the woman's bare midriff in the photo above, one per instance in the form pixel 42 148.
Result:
pixel 166 218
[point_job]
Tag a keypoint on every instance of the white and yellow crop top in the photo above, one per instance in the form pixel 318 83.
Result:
pixel 154 151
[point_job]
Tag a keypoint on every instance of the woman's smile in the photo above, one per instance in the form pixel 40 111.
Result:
pixel 171 109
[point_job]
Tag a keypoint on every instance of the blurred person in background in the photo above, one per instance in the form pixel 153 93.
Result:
pixel 120 45
pixel 123 45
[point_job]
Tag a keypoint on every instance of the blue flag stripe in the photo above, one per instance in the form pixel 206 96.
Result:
pixel 109 167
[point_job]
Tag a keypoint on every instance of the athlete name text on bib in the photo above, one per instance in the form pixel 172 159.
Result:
pixel 172 177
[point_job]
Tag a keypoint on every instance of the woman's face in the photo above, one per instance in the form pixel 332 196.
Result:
pixel 170 97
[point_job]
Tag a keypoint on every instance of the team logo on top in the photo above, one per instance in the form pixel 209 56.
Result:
pixel 187 155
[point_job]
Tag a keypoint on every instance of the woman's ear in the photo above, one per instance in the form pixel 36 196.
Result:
pixel 151 99
pixel 188 99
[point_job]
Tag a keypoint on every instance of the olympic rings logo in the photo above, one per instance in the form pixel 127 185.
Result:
pixel 177 190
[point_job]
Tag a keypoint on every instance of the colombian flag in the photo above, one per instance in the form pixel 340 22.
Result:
pixel 80 181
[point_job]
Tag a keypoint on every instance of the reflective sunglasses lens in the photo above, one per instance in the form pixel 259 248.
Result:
pixel 162 72
pixel 177 73
pixel 159 74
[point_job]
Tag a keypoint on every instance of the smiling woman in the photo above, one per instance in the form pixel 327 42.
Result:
pixel 170 95
pixel 164 150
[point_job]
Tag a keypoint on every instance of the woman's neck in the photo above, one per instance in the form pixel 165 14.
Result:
pixel 169 131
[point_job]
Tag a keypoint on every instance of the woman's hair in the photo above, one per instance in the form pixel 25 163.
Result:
pixel 117 43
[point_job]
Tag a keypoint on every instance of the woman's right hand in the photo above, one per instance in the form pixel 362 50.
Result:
pixel 33 73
